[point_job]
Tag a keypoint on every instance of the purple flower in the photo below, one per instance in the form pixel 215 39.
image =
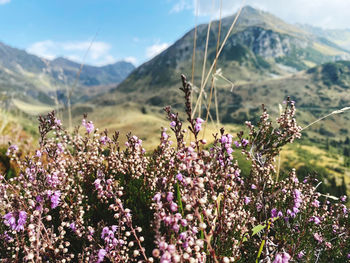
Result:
pixel 165 135
pixel 170 197
pixel 297 194
pixel 22 218
pixel 38 198
pixel 97 184
pixel 229 150
pixel 274 213
pixel 104 232
pixel 55 199
pixel 183 236
pixel 278 259
pixel 179 177
pixel 315 203
pixel 59 148
pixel 343 198
pixel 173 207
pixel 88 125
pixel 183 222
pixel 237 144
pixel 315 219
pixel 172 124
pixel 290 213
pixel 318 237
pixel 284 258
pixel 58 122
pixel 101 255
pixel 198 125
pixel 176 227
pixel 157 197
pixel 10 220
pixel 12 148
pixel 37 153
pixel 301 254
pixel 244 142
pixel 73 227
pixel 104 139
pixel 247 200
pixel 114 228
pixel 223 139
pixel 253 186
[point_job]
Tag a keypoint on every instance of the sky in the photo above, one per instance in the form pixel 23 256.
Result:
pixel 100 32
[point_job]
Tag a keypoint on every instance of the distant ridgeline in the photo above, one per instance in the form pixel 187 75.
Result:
pixel 36 85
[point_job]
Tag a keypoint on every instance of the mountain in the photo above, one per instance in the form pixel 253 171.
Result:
pixel 341 37
pixel 90 75
pixel 26 78
pixel 261 47
pixel 317 92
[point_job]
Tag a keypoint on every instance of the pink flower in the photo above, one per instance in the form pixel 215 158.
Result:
pixel 58 122
pixel 315 203
pixel 198 125
pixel 55 199
pixel 278 259
pixel 10 220
pixel 318 237
pixel 244 142
pixel 101 254
pixel 88 125
pixel 282 258
pixel 285 258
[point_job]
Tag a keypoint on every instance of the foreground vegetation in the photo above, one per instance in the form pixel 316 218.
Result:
pixel 83 199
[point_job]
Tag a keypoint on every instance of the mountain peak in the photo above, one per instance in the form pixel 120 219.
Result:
pixel 255 17
pixel 249 9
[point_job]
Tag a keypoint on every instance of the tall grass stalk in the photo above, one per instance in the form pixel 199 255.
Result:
pixel 70 92
pixel 219 52
pixel 212 80
pixel 326 116
pixel 194 48
pixel 204 66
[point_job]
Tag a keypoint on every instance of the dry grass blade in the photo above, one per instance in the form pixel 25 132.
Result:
pixel 69 92
pixel 194 48
pixel 204 66
pixel 326 116
pixel 219 52
pixel 212 80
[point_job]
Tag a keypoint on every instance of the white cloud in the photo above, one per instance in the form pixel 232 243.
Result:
pixel 132 60
pixel 181 5
pixel 2 2
pixel 155 49
pixel 44 49
pixel 324 13
pixel 98 53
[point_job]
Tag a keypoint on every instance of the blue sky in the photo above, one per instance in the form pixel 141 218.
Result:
pixel 133 30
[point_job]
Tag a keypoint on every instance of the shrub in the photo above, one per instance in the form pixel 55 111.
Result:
pixel 84 199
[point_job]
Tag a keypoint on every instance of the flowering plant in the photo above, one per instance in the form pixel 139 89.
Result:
pixel 81 198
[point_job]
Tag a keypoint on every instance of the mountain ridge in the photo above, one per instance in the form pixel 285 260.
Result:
pixel 261 47
pixel 36 80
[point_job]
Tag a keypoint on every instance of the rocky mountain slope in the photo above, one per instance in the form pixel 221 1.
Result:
pixel 260 47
